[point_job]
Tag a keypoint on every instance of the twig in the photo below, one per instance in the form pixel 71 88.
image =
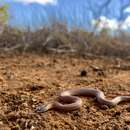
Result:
pixel 122 67
pixel 61 50
pixel 11 48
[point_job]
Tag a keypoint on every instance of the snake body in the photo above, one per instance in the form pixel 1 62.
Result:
pixel 68 100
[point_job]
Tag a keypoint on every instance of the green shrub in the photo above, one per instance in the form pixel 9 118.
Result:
pixel 3 16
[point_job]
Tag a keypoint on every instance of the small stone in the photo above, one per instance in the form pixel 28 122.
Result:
pixel 127 119
pixel 116 114
pixel 83 73
pixel 96 68
pixel 128 109
pixel 104 107
pixel 126 127
pixel 100 73
pixel 116 127
pixel 76 113
pixel 93 109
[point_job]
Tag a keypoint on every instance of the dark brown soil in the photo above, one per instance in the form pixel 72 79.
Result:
pixel 29 80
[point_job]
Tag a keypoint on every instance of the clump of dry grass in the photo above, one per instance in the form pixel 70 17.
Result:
pixel 58 38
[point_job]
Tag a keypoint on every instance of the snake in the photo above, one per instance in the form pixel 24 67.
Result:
pixel 69 101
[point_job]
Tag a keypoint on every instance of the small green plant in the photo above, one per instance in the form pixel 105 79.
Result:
pixel 3 16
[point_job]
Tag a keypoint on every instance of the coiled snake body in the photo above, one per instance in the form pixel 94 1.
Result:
pixel 68 100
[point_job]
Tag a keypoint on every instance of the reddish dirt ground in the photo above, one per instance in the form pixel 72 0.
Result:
pixel 29 80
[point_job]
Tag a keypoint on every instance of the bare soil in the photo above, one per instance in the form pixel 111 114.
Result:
pixel 29 80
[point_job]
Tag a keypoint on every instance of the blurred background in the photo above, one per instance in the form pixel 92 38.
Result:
pixel 62 25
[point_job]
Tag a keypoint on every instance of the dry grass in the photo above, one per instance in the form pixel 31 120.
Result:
pixel 57 38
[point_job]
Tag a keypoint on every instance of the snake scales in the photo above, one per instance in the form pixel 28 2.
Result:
pixel 68 100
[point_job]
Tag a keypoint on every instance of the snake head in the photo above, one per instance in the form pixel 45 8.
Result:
pixel 43 108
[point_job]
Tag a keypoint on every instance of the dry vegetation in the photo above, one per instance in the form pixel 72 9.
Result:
pixel 57 38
